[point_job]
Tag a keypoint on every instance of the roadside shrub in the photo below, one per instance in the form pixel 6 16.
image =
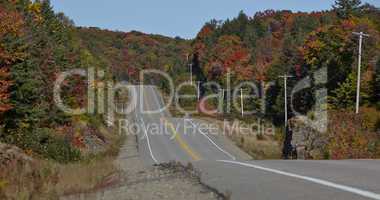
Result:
pixel 43 142
pixel 352 136
pixel 371 118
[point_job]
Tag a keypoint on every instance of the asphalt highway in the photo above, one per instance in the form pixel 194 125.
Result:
pixel 224 167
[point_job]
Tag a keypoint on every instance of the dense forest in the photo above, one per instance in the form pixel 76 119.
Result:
pixel 263 47
pixel 36 44
pixel 272 43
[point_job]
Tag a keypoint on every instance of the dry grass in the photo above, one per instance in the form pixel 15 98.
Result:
pixel 260 147
pixel 22 177
pixel 34 178
pixel 47 180
pixel 93 171
pixel 85 176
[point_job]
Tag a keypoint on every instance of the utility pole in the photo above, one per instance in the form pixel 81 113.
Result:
pixel 286 97
pixel 242 102
pixel 287 149
pixel 191 73
pixel 198 90
pixel 221 101
pixel 361 35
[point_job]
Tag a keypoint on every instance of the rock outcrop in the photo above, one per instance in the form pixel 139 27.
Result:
pixel 310 143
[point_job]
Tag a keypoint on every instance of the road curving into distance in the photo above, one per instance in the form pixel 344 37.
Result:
pixel 230 171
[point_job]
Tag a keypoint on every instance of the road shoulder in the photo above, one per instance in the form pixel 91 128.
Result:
pixel 165 181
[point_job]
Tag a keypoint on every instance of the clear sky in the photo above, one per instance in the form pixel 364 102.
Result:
pixel 173 17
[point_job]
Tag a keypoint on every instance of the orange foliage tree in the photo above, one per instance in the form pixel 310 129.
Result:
pixel 229 55
pixel 10 27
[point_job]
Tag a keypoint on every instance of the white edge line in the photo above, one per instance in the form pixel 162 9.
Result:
pixel 220 149
pixel 147 137
pixel 356 191
pixel 204 134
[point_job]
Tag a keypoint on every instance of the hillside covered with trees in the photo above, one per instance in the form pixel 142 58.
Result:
pixel 46 152
pixel 36 44
pixel 264 46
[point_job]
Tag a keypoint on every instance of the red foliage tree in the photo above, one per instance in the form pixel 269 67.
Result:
pixel 229 54
pixel 10 26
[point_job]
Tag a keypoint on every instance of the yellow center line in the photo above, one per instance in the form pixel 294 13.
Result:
pixel 182 142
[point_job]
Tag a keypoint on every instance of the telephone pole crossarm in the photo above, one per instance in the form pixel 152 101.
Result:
pixel 361 33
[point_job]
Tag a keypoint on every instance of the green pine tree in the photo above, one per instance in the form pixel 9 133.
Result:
pixel 346 8
pixel 344 95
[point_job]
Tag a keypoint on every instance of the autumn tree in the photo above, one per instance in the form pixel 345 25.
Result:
pixel 333 49
pixel 10 29
pixel 35 45
pixel 229 55
pixel 144 51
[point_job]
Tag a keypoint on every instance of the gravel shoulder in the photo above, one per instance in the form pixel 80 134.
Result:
pixel 170 181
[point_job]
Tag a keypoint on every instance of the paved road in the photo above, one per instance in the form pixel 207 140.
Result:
pixel 229 170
